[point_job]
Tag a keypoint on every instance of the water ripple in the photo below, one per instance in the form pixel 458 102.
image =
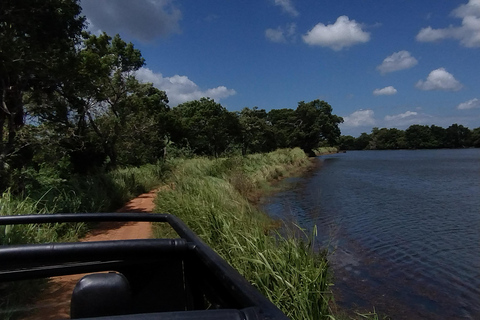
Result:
pixel 405 226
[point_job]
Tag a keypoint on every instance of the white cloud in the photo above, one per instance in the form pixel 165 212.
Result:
pixel 470 104
pixel 287 6
pixel 472 8
pixel 405 119
pixel 439 79
pixel 275 35
pixel 468 33
pixel 281 34
pixel 397 61
pixel 142 19
pixel 359 118
pixel 343 33
pixel 181 89
pixel 401 116
pixel 387 91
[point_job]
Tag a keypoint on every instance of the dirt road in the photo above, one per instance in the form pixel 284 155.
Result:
pixel 54 301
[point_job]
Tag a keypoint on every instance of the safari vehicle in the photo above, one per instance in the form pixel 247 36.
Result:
pixel 162 279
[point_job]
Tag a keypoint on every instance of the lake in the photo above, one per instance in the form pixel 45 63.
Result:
pixel 403 228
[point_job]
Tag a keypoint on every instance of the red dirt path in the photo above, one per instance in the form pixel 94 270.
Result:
pixel 54 301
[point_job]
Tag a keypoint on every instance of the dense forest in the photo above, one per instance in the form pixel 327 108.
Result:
pixel 70 105
pixel 415 137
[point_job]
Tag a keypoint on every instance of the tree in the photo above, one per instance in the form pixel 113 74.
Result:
pixel 476 137
pixel 143 133
pixel 282 122
pixel 363 141
pixel 37 40
pixel 420 137
pixel 438 135
pixel 346 143
pixel 457 136
pixel 256 133
pixel 205 126
pixel 384 138
pixel 316 123
pixel 97 99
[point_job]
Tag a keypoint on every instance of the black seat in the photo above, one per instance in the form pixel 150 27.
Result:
pixel 101 294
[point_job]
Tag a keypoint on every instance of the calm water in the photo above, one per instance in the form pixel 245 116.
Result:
pixel 404 227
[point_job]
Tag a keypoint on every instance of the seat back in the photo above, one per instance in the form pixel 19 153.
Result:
pixel 101 294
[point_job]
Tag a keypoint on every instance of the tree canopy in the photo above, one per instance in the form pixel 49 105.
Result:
pixel 70 102
pixel 414 137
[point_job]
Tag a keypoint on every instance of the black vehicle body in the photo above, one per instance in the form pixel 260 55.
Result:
pixel 161 279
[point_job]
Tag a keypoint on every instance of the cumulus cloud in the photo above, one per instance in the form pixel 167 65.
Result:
pixel 387 91
pixel 439 79
pixel 359 118
pixel 282 34
pixel 141 19
pixel 181 89
pixel 397 61
pixel 470 104
pixel 472 8
pixel 287 6
pixel 468 33
pixel 342 34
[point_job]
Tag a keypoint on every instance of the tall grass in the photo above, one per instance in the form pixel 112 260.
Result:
pixel 96 193
pixel 209 196
pixel 325 150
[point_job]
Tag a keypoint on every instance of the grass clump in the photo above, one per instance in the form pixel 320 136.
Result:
pixel 209 196
pixel 325 150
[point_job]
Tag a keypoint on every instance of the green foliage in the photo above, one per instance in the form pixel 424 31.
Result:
pixel 310 126
pixel 256 133
pixel 476 138
pixel 347 143
pixel 325 150
pixel 283 123
pixel 457 136
pixel 414 137
pixel 17 234
pixel 208 195
pixel 37 38
pixel 419 137
pixel 205 126
pixel 316 123
pixel 382 139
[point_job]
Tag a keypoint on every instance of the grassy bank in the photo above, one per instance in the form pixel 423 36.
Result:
pixel 210 197
pixel 325 150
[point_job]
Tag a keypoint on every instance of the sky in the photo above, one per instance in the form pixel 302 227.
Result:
pixel 377 63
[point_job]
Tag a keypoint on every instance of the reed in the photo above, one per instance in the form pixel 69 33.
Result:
pixel 209 196
pixel 325 150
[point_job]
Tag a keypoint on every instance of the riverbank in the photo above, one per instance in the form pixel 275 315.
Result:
pixel 214 198
pixel 211 197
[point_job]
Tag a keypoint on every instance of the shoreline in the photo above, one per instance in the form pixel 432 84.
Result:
pixel 214 199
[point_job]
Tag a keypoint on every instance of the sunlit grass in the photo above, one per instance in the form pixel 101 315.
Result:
pixel 209 196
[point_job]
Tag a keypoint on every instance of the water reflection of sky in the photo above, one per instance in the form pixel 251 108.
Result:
pixel 405 226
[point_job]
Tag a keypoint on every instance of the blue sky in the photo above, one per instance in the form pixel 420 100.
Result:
pixel 378 63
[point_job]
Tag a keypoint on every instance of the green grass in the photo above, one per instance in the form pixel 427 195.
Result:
pixel 325 150
pixel 209 196
pixel 98 193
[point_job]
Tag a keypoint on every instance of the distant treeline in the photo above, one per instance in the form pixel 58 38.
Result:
pixel 415 137
pixel 70 104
